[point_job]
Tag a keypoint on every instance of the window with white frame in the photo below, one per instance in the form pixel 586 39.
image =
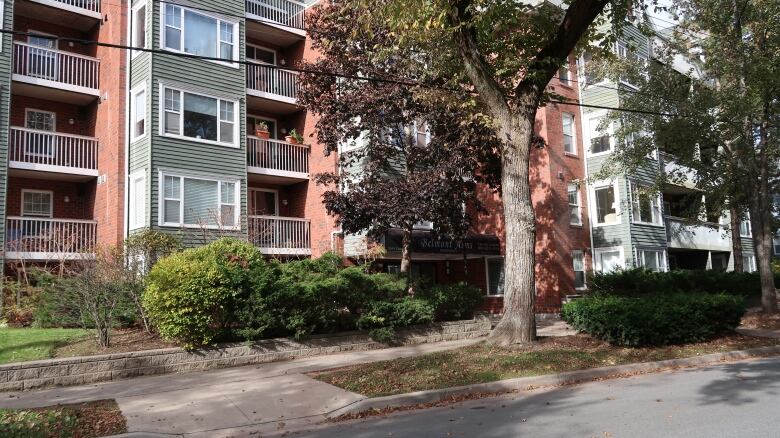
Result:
pixel 199 117
pixel 651 259
pixel 749 262
pixel 600 139
pixel 563 73
pixel 646 206
pixel 624 51
pixel 608 259
pixel 37 203
pixel 195 201
pixel 139 27
pixel 138 111
pixel 578 265
pixel 744 227
pixel 569 144
pixel 137 197
pixel 495 276
pixel 776 245
pixel 575 209
pixel 193 32
pixel 605 203
pixel 40 145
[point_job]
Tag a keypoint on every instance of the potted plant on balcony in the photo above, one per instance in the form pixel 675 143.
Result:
pixel 294 138
pixel 261 130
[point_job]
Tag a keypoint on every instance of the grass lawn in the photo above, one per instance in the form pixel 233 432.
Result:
pixel 481 363
pixel 83 420
pixel 23 344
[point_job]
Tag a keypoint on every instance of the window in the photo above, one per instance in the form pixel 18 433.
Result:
pixel 627 53
pixel 260 54
pixel 37 203
pixel 137 197
pixel 138 110
pixel 199 117
pixel 495 274
pixel 190 201
pixel 608 259
pixel 749 262
pixel 192 32
pixel 563 73
pixel 600 140
pixel 776 245
pixel 263 202
pixel 40 120
pixel 35 144
pixel 139 27
pixel 575 212
pixel 744 227
pixel 569 146
pixel 646 206
pixel 605 203
pixel 651 259
pixel 578 264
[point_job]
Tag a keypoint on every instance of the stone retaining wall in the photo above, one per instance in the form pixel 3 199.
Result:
pixel 89 369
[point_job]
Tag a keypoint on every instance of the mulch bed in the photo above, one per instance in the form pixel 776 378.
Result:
pixel 122 341
pixel 759 320
pixel 84 420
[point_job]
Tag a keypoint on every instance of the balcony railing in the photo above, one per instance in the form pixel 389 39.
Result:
pixel 58 66
pixel 272 80
pixel 286 12
pixel 33 149
pixel 276 235
pixel 705 236
pixel 49 239
pixel 275 157
pixel 89 5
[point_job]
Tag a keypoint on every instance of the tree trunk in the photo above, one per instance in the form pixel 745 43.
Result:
pixel 761 221
pixel 736 240
pixel 406 253
pixel 518 324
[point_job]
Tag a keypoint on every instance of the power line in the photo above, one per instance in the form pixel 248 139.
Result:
pixel 408 83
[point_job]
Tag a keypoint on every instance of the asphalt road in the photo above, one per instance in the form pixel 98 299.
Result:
pixel 738 399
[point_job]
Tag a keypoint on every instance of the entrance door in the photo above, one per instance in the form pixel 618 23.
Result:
pixel 263 202
pixel 41 58
pixel 263 79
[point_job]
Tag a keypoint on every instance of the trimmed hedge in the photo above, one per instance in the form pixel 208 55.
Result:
pixel 640 281
pixel 667 319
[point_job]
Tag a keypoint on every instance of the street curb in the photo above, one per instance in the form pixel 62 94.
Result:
pixel 521 383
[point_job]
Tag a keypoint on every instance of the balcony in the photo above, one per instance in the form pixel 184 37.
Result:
pixel 280 22
pixel 82 15
pixel 44 239
pixel 277 162
pixel 275 235
pixel 271 89
pixel 55 74
pixel 678 174
pixel 30 150
pixel 683 235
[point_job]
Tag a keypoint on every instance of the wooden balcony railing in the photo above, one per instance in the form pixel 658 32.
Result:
pixel 277 157
pixel 272 80
pixel 31 148
pixel 56 65
pixel 286 12
pixel 45 238
pixel 280 235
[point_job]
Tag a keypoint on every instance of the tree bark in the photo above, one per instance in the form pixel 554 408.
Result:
pixel 761 220
pixel 406 253
pixel 736 240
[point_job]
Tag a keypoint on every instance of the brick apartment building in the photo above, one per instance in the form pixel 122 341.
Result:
pixel 98 142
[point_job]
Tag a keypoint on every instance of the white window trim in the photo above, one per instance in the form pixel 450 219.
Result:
pixel 579 205
pixel 633 186
pixel 584 270
pixel 182 175
pixel 136 176
pixel 133 42
pixel 141 88
pixel 27 112
pixel 628 52
pixel 597 256
pixel 776 245
pixel 749 227
pixel 573 134
pixel 593 206
pixel 261 189
pixel 236 122
pixel 51 204
pixel 598 117
pixel 182 29
pixel 267 49
pixel 752 267
pixel 487 274
pixel 664 265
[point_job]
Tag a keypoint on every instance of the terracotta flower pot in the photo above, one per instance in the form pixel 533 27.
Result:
pixel 263 134
pixel 290 139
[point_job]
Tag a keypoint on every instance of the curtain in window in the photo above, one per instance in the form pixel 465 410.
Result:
pixel 200 202
pixel 200 35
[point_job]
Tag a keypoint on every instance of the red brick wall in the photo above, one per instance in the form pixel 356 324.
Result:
pixel 83 123
pixel 80 197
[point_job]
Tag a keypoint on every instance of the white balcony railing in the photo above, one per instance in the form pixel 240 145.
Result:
pixel 680 234
pixel 272 80
pixel 280 235
pixel 276 157
pixel 286 12
pixel 89 5
pixel 50 239
pixel 46 64
pixel 35 149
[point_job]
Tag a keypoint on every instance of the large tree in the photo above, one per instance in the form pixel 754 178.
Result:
pixel 715 89
pixel 407 153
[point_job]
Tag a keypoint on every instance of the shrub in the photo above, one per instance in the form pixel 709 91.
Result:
pixel 454 301
pixel 641 281
pixel 193 296
pixel 36 424
pixel 382 318
pixel 674 318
